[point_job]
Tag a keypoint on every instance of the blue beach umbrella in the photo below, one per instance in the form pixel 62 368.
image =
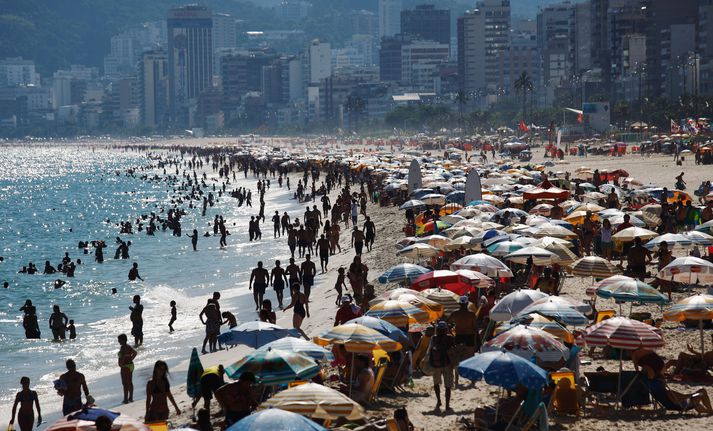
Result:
pixel 558 311
pixel 254 334
pixel 275 367
pixel 632 291
pixel 275 419
pixel 456 196
pixel 503 369
pixel 300 345
pixel 383 327
pixel 402 272
pixel 477 202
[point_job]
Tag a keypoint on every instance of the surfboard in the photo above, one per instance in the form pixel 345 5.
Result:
pixel 414 176
pixel 473 190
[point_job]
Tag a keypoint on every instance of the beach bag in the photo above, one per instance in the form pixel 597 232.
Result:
pixel 425 364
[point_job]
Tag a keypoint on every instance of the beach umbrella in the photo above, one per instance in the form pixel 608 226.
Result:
pixel 356 338
pixel 449 280
pixel 402 313
pixel 513 303
pixel 456 196
pixel 193 377
pixel 563 313
pixel 565 301
pixel 483 263
pixel 433 199
pixel 449 300
pixel 405 242
pixel 85 420
pixel 300 345
pixel 468 212
pixel 514 212
pixel 565 255
pixel 418 251
pixel 469 232
pixel 631 290
pixel 588 206
pixel 551 229
pixel 464 242
pixel 504 248
pixel 635 221
pixel 539 256
pixel 275 419
pixel 696 307
pixel 577 217
pixel 528 343
pixel 535 220
pixel 547 241
pixel 542 209
pixel 432 227
pixel 253 334
pixel 452 219
pixel 544 323
pixel 475 278
pixel 274 366
pixel 501 238
pixel 412 204
pixel 699 238
pixel 592 291
pixel 315 401
pixel 402 272
pixel 483 206
pixel 503 369
pixel 689 270
pixel 383 327
pixel 435 241
pixel 593 266
pixel 450 208
pixel 624 334
pixel 630 233
pixel 394 294
pixel 706 227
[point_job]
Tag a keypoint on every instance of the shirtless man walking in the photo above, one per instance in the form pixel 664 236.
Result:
pixel 307 272
pixel 258 278
pixel 278 278
pixel 75 384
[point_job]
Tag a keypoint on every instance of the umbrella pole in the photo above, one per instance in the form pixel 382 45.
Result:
pixel 700 327
pixel 618 385
pixel 351 375
pixel 497 405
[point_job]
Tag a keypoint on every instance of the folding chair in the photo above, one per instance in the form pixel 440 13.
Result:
pixel 158 426
pixel 604 314
pixel 565 397
pixel 380 370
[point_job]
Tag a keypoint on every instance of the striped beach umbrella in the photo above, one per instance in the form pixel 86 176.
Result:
pixel 356 338
pixel 699 238
pixel 562 313
pixel 563 252
pixel 538 255
pixel 592 291
pixel 706 227
pixel 528 343
pixel 315 401
pixel 402 313
pixel 432 227
pixel 300 345
pixel 448 299
pixel 696 307
pixel 412 204
pixel 671 239
pixel 418 251
pixel 631 290
pixel 689 270
pixel 433 199
pixel 623 333
pixel 402 272
pixel 630 233
pixel 460 283
pixel 435 241
pixel 544 323
pixel 565 301
pixel 394 294
pixel 482 263
pixel 85 420
pixel 274 366
pixel 462 242
pixel 542 209
pixel 513 303
pixel 383 327
pixel 504 248
pixel 275 419
pixel 552 229
pixel 450 208
pixel 593 266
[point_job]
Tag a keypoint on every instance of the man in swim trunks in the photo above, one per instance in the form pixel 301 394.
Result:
pixel 307 272
pixel 75 384
pixel 357 240
pixel 294 274
pixel 370 232
pixel 323 247
pixel 137 321
pixel 258 278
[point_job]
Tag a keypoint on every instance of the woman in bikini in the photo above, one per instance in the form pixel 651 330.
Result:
pixel 126 365
pixel 25 398
pixel 158 393
pixel 301 309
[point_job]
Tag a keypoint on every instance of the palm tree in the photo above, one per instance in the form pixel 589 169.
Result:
pixel 461 99
pixel 355 105
pixel 524 84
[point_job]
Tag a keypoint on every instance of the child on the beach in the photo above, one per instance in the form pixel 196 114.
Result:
pixel 72 330
pixel 173 316
pixel 338 285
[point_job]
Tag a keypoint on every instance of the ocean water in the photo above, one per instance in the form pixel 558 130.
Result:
pixel 53 197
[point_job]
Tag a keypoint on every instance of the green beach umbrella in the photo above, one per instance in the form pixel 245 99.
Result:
pixel 193 379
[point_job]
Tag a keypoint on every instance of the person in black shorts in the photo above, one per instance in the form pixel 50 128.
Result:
pixel 258 279
pixel 369 232
pixel 323 247
pixel 307 272
pixel 278 278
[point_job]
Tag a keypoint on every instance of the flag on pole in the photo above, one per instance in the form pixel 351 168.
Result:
pixel 523 127
pixel 580 118
pixel 675 128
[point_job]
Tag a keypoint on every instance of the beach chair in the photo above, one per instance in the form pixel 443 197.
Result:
pixel 395 382
pixel 565 399
pixel 158 426
pixel 421 349
pixel 604 314
pixel 379 377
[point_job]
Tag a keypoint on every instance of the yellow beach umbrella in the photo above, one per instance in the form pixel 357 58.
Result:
pixel 316 401
pixel 577 217
pixel 402 313
pixel 356 338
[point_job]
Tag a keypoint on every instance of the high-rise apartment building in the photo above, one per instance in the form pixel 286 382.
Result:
pixel 555 40
pixel 389 17
pixel 318 61
pixel 419 63
pixel 483 34
pixel 190 56
pixel 427 23
pixel 18 72
pixel 153 88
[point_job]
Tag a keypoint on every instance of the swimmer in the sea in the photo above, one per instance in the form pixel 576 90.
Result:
pixel 134 273
pixel 194 239
pixel 173 316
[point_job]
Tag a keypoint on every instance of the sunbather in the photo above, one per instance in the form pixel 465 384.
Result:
pixel 693 362
pixel 677 401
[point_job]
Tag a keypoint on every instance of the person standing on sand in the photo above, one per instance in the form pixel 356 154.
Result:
pixel 307 272
pixel 323 248
pixel 301 309
pixel 370 232
pixel 357 240
pixel 71 385
pixel 158 393
pixel 278 280
pixel 259 279
pixel 137 321
pixel 126 367
pixel 26 398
